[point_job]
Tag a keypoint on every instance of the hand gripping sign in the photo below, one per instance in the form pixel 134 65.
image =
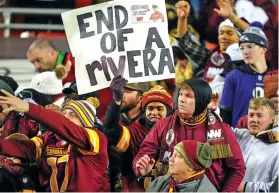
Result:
pixel 119 37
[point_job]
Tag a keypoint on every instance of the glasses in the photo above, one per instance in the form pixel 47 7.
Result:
pixel 248 47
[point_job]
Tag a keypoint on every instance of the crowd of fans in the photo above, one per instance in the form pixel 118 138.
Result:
pixel 214 128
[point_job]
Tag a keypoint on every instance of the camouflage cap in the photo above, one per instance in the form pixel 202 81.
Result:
pixel 140 86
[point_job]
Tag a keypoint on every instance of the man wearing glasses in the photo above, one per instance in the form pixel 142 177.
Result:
pixel 246 81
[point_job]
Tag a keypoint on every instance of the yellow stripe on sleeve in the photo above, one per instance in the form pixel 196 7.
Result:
pixel 124 141
pixel 95 142
pixel 39 145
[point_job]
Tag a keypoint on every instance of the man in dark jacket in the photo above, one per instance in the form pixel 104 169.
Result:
pixel 126 140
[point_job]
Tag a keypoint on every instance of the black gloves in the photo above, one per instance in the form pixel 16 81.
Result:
pixel 117 84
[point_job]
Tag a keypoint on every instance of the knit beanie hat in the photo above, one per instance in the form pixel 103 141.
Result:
pixel 228 22
pixel 271 84
pixel 50 82
pixel 202 93
pixel 5 87
pixel 254 34
pixel 85 110
pixel 196 154
pixel 157 94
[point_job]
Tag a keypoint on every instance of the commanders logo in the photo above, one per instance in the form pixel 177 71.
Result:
pixel 211 119
pixel 170 137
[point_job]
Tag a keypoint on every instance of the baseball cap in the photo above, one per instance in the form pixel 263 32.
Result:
pixel 140 86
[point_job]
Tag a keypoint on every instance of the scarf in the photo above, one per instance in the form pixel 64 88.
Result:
pixel 173 184
pixel 195 120
pixel 269 136
pixel 216 135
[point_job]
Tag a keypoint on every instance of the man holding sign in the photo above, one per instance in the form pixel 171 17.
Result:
pixel 125 140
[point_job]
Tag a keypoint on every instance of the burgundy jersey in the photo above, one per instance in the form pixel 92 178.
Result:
pixel 72 158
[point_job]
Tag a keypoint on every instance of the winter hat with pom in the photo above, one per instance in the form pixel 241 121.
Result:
pixel 157 94
pixel 254 34
pixel 49 83
pixel 85 110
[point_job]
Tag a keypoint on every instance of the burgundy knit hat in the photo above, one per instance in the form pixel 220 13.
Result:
pixel 19 146
pixel 196 154
pixel 157 94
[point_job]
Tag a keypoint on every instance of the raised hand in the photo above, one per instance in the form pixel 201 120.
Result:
pixel 144 165
pixel 225 9
pixel 14 103
pixel 214 101
pixel 183 9
pixel 117 84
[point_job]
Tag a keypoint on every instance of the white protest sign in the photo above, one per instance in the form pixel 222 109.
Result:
pixel 119 37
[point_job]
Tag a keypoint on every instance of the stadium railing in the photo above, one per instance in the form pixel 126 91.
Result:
pixel 8 25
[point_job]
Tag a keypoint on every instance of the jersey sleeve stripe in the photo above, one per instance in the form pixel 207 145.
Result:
pixel 124 141
pixel 39 145
pixel 95 142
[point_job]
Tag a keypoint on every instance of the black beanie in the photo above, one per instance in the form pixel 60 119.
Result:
pixel 202 93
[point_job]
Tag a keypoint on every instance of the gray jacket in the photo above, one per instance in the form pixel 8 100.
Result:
pixel 161 183
pixel 261 161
